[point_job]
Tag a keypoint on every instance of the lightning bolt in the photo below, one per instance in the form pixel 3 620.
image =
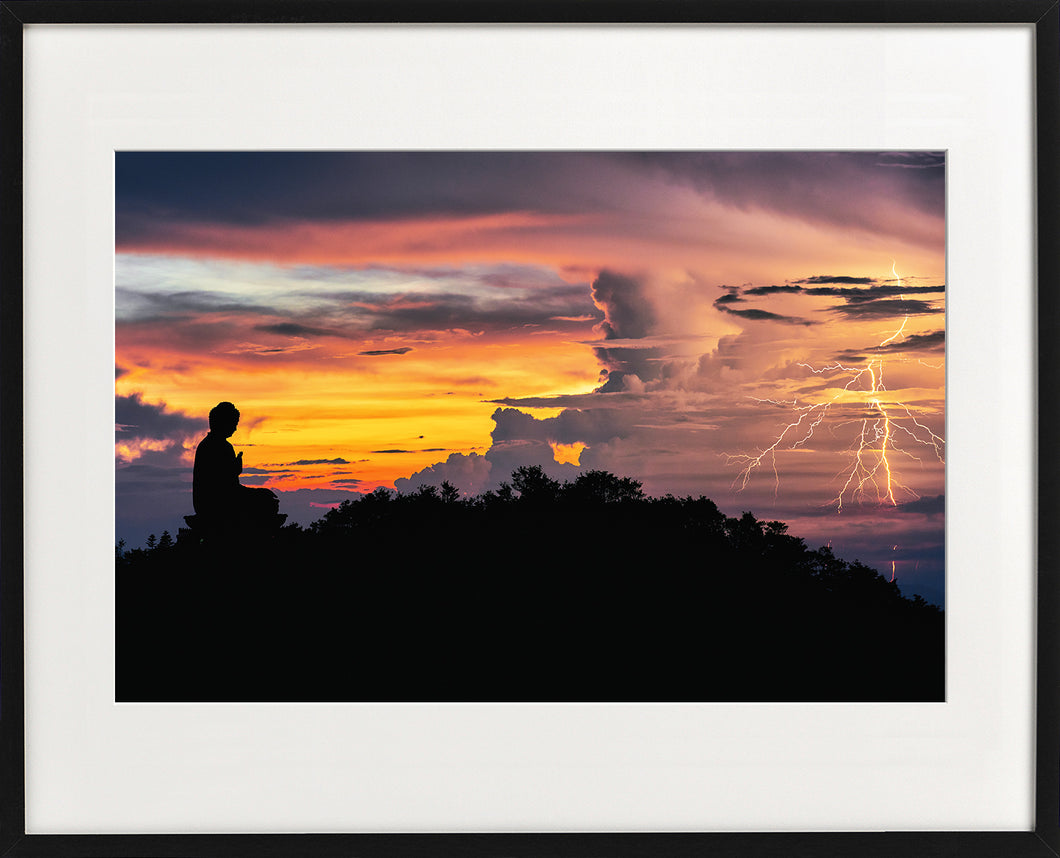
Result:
pixel 871 474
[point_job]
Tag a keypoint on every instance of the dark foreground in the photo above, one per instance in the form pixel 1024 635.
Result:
pixel 660 600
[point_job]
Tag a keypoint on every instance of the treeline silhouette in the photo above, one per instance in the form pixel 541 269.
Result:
pixel 540 591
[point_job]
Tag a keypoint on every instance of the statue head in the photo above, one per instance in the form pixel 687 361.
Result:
pixel 224 417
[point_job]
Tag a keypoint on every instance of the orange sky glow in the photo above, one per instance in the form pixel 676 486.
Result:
pixel 765 329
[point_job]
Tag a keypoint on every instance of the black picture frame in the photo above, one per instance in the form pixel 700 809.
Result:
pixel 1043 841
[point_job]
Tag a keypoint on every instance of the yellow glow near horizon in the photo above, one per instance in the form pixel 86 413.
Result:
pixel 387 416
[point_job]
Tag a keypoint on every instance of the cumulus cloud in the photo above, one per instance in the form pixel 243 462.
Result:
pixel 468 473
pixel 506 456
pixel 588 425
pixel 628 316
pixel 520 439
pixel 627 311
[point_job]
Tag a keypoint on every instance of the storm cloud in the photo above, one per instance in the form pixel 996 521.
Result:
pixel 934 341
pixel 136 419
pixel 628 316
pixel 887 308
pixel 760 315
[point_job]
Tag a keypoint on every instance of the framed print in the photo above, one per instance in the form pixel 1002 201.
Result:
pixel 490 431
pixel 371 378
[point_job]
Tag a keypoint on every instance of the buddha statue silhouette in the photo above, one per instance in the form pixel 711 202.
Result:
pixel 222 503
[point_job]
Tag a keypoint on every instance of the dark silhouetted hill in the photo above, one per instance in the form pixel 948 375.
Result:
pixel 586 591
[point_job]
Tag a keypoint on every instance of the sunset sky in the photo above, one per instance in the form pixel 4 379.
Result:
pixel 763 328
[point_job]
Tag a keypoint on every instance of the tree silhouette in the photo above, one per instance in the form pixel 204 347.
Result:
pixel 586 590
pixel 603 487
pixel 534 485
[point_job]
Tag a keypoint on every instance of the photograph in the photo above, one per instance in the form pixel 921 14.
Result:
pixel 543 425
pixel 485 431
